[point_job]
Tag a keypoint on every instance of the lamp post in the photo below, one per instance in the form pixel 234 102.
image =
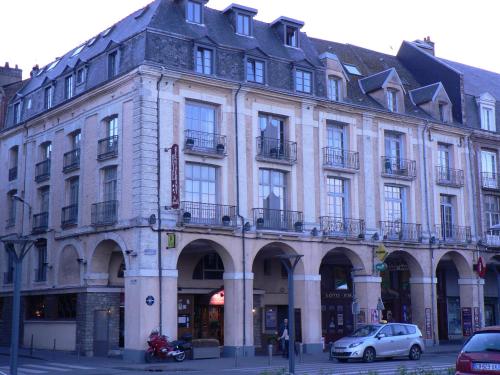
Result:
pixel 355 305
pixel 290 262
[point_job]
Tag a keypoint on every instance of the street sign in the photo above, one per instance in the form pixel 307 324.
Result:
pixel 170 240
pixel 381 252
pixel 380 267
pixel 150 300
pixel 355 308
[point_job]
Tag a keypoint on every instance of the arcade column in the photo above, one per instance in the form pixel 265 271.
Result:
pixel 367 294
pixel 308 299
pixel 471 303
pixel 424 307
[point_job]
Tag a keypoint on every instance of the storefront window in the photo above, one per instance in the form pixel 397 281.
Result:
pixel 51 307
pixel 454 320
pixel 341 277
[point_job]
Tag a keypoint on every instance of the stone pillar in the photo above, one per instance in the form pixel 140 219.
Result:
pixel 169 309
pixel 233 313
pixel 369 170
pixel 424 307
pixel 367 289
pixel 472 295
pixel 308 299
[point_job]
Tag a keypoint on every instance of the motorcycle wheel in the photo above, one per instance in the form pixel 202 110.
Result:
pixel 149 357
pixel 181 357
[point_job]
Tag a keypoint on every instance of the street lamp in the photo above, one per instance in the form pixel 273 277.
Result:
pixel 290 262
pixel 355 305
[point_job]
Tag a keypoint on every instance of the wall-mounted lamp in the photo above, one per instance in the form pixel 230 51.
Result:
pixel 247 226
pixel 132 253
pixel 81 261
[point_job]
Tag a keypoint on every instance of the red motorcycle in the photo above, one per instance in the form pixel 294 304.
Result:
pixel 161 349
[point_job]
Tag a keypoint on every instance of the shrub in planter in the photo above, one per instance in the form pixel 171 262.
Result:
pixel 220 148
pixel 189 143
pixel 186 217
pixel 226 220
pixel 260 222
pixel 298 226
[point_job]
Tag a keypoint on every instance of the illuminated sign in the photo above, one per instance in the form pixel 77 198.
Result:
pixel 217 299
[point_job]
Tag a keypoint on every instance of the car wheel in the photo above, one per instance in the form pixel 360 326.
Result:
pixel 342 360
pixel 369 355
pixel 415 353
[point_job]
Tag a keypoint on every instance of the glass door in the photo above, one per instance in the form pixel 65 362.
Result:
pixel 489 169
pixel 335 136
pixel 446 217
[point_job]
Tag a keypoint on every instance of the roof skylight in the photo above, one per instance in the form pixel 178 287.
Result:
pixel 40 72
pixel 53 65
pixel 91 41
pixel 352 69
pixel 78 50
pixel 107 31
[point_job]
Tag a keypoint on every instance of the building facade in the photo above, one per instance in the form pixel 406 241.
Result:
pixel 168 162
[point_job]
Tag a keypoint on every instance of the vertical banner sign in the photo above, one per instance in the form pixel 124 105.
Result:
pixel 466 321
pixel 374 314
pixel 175 176
pixel 428 323
pixel 477 318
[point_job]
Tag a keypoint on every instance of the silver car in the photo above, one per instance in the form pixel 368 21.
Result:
pixel 372 341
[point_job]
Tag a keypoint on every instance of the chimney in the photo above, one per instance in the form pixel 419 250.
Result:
pixel 34 71
pixel 9 75
pixel 427 45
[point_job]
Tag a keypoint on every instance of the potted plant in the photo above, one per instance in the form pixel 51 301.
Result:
pixel 220 148
pixel 226 220
pixel 189 143
pixel 298 226
pixel 260 222
pixel 186 216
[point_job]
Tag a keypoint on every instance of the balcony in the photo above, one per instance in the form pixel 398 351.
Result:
pixel 280 220
pixel 342 228
pixel 276 150
pixel 489 181
pixel 492 238
pixel 71 160
pixel 69 216
pixel 8 277
pixel 449 177
pixel 208 214
pixel 107 148
pixel 201 143
pixel 338 159
pixel 398 231
pixel 453 234
pixel 41 274
pixel 40 222
pixel 12 173
pixel 104 213
pixel 399 168
pixel 42 171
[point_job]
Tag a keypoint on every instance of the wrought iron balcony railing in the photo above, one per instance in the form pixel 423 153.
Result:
pixel 204 143
pixel 338 158
pixel 42 170
pixel 107 148
pixel 490 181
pixel 8 277
pixel 69 215
pixel 71 160
pixel 41 274
pixel 104 213
pixel 40 222
pixel 208 214
pixel 340 227
pixel 398 231
pixel 492 238
pixel 12 173
pixel 449 176
pixel 453 234
pixel 276 149
pixel 399 168
pixel 281 220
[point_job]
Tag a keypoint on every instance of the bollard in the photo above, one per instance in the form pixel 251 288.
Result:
pixel 269 354
pixel 236 349
pixel 31 346
pixel 301 351
pixel 54 350
pixel 78 352
pixel 330 357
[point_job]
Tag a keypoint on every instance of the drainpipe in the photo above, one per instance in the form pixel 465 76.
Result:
pixel 158 165
pixel 238 213
pixel 473 188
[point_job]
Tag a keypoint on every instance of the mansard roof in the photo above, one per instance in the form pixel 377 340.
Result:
pixel 376 81
pixel 425 94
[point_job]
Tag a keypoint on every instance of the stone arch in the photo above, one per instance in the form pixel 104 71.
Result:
pixel 202 245
pixel 355 259
pixel 274 249
pixel 107 264
pixel 68 266
pixel 414 265
pixel 98 240
pixel 462 264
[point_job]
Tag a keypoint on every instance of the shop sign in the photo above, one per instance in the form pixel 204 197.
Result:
pixel 477 319
pixel 174 170
pixel 271 319
pixel 217 299
pixel 428 323
pixel 330 295
pixel 170 240
pixel 481 268
pixel 380 267
pixel 381 252
pixel 466 321
pixel 397 267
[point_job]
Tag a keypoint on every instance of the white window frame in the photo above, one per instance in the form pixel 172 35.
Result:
pixel 17 113
pixel 334 88
pixel 389 200
pixel 201 183
pixel 300 81
pixel 69 87
pixel 49 97
pixel 489 165
pixel 194 17
pixel 334 194
pixel 251 70
pixel 201 60
pixel 488 118
pixel 293 41
pixel 243 24
pixel 392 100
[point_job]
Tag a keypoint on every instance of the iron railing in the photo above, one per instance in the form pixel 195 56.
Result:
pixel 337 157
pixel 41 274
pixel 12 173
pixel 340 227
pixel 449 176
pixel 208 214
pixel 202 142
pixel 397 167
pixel 69 215
pixel 276 149
pixel 40 222
pixel 42 170
pixel 489 180
pixel 399 231
pixel 8 277
pixel 454 234
pixel 71 160
pixel 492 238
pixel 107 148
pixel 104 213
pixel 281 220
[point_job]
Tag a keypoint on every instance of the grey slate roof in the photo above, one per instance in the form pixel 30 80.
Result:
pixel 375 81
pixel 424 94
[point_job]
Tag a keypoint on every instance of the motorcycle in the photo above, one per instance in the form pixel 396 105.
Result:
pixel 161 349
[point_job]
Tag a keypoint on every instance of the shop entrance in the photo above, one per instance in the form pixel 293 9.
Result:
pixel 448 301
pixel 395 289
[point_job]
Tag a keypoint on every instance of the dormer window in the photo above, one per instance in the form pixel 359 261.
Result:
pixel 243 24
pixel 255 71
pixel 204 59
pixel 292 36
pixel 48 97
pixel 443 111
pixel 334 88
pixel 68 87
pixel 487 122
pixel 17 113
pixel 113 64
pixel 194 12
pixel 241 17
pixel 392 100
pixel 80 76
pixel 303 81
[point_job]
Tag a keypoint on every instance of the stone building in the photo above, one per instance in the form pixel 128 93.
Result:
pixel 167 162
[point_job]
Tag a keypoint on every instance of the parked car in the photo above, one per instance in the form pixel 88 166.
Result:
pixel 480 353
pixel 372 341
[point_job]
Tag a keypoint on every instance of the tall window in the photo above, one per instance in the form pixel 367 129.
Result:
pixel 73 187
pixel 41 272
pixel 243 24
pixel 392 100
pixel 112 127
pixel 68 87
pixel 44 199
pixel 11 208
pixel 444 162
pixel 335 136
pixel 393 146
pixel 334 85
pixel 492 210
pixel 17 113
pixel 201 183
pixel 80 76
pixel 193 11
pixel 446 216
pixel 255 71
pixel 442 107
pixel 337 197
pixel 272 189
pixel 112 64
pixel 489 169
pixel 394 203
pixel 303 81
pixel 13 160
pixel 46 151
pixel 110 184
pixel 49 97
pixel 76 138
pixel 204 60
pixel 291 36
pixel 487 117
pixel 200 117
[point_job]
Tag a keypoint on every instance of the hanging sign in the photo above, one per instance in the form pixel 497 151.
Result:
pixel 380 267
pixel 217 299
pixel 481 268
pixel 381 252
pixel 175 176
pixel 170 240
pixel 477 319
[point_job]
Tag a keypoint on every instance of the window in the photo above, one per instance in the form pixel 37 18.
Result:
pixel 46 150
pixel 444 156
pixel 201 117
pixel 446 216
pixel 13 160
pixel 68 87
pixel 73 187
pixel 337 197
pixel 492 210
pixel 112 127
pixel 255 71
pixel 489 169
pixel 201 184
pixel 106 32
pixel 78 50
pixel 41 252
pixel 29 103
pixel 17 113
pixel 76 138
pixel 487 119
pixel 392 101
pixel 303 81
pixel 272 189
pixel 110 184
pixel 11 208
pixel 291 36
pixel 351 69
pixel 193 11
pixel 204 60
pixel 442 107
pixel 393 144
pixel 335 136
pixel 243 24
pixel 44 199
pixel 10 263
pixel 272 127
pixel 49 97
pixel 51 307
pixel 334 85
pixel 80 76
pixel 394 203
pixel 112 64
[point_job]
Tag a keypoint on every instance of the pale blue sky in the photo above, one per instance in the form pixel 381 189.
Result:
pixel 36 31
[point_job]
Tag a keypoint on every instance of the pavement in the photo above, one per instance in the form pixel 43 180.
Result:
pixel 44 362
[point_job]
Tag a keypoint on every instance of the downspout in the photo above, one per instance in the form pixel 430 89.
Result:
pixel 240 217
pixel 473 189
pixel 158 166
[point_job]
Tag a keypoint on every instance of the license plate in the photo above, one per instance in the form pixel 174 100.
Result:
pixel 486 366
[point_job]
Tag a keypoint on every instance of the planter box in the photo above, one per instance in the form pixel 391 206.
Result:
pixel 207 352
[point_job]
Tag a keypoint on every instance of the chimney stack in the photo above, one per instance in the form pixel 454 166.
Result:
pixel 9 75
pixel 427 45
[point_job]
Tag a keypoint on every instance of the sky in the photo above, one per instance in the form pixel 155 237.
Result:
pixel 37 31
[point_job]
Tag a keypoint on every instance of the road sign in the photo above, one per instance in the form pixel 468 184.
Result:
pixel 150 300
pixel 380 266
pixel 355 308
pixel 381 252
pixel 170 240
pixel 380 305
pixel 481 268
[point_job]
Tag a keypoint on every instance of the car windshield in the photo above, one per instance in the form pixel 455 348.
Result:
pixel 365 331
pixel 483 342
